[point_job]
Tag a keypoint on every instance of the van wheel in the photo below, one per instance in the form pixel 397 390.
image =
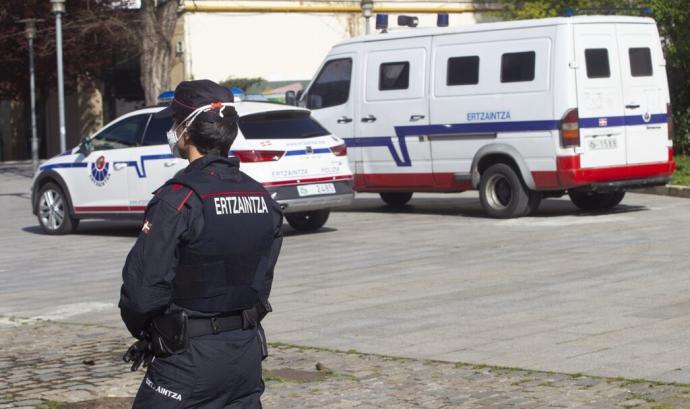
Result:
pixel 592 201
pixel 396 198
pixel 308 221
pixel 53 211
pixel 502 193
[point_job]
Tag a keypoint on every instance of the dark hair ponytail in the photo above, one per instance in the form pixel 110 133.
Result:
pixel 214 138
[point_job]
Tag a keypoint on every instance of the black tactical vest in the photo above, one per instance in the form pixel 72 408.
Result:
pixel 223 269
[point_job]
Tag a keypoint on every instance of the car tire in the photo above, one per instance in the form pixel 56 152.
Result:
pixel 503 194
pixel 308 221
pixel 53 211
pixel 592 201
pixel 396 199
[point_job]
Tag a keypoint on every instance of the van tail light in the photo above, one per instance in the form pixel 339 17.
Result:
pixel 340 150
pixel 669 121
pixel 570 128
pixel 258 156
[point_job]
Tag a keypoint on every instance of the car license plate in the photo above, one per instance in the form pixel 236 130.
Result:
pixel 602 143
pixel 317 189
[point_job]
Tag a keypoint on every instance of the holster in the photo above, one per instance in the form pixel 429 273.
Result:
pixel 169 334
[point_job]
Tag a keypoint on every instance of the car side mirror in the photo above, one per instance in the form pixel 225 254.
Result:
pixel 85 147
pixel 290 98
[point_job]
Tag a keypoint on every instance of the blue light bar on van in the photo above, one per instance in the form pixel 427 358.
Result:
pixel 568 12
pixel 165 97
pixel 382 21
pixel 442 20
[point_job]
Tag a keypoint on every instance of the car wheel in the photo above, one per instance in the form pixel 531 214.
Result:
pixel 53 211
pixel 592 201
pixel 502 193
pixel 396 198
pixel 308 221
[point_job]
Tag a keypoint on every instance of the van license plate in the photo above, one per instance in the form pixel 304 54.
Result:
pixel 318 189
pixel 602 143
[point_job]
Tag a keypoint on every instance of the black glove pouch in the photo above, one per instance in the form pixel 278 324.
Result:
pixel 169 334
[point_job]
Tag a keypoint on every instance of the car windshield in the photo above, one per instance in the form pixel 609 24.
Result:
pixel 280 125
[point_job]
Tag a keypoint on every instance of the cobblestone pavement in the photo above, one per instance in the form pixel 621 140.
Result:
pixel 44 363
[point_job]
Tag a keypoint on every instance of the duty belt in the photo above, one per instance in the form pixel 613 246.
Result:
pixel 197 327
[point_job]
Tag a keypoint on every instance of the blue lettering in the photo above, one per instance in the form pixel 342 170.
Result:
pixel 488 116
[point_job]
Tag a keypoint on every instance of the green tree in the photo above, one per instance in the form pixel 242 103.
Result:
pixel 673 19
pixel 243 83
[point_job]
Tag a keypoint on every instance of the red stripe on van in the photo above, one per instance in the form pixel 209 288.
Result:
pixel 569 173
pixel 410 182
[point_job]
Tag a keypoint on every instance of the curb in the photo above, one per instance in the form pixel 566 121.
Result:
pixel 668 190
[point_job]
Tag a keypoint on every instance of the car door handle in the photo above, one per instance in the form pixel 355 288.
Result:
pixel 414 118
pixel 632 106
pixel 369 118
pixel 344 120
pixel 119 165
pixel 170 163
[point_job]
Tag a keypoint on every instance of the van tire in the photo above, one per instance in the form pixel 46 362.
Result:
pixel 53 211
pixel 308 221
pixel 592 201
pixel 503 194
pixel 396 199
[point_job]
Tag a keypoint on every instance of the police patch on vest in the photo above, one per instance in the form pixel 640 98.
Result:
pixel 240 205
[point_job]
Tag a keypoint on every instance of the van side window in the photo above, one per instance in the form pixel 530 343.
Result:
pixel 394 75
pixel 463 71
pixel 597 62
pixel 332 86
pixel 518 67
pixel 640 62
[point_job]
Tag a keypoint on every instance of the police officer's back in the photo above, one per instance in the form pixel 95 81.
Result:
pixel 197 281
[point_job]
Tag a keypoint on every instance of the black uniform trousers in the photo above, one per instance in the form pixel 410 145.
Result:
pixel 221 371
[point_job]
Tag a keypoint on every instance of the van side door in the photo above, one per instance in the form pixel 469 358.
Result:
pixel 394 116
pixel 599 96
pixel 331 97
pixel 645 93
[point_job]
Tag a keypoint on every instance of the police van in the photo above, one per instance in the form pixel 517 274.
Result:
pixel 519 110
pixel 112 174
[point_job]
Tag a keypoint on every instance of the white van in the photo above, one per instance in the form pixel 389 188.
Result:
pixel 520 110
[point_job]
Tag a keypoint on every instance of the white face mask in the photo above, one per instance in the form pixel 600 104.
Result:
pixel 172 141
pixel 172 133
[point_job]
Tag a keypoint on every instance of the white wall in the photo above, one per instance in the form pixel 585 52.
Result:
pixel 275 46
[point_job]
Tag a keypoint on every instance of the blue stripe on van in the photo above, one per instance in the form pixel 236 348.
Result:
pixel 402 158
pixel 64 165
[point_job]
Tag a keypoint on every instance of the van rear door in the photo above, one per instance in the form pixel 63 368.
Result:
pixel 645 93
pixel 599 96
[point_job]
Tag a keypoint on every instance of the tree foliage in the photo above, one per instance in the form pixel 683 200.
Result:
pixel 94 32
pixel 243 83
pixel 673 19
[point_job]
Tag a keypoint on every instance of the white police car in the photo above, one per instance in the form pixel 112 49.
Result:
pixel 112 174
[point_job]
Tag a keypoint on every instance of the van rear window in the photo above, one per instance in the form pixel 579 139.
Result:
pixel 518 67
pixel 463 70
pixel 394 75
pixel 597 61
pixel 640 62
pixel 280 125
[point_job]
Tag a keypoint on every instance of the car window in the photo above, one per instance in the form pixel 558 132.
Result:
pixel 332 86
pixel 156 131
pixel 394 75
pixel 280 125
pixel 597 62
pixel 640 62
pixel 463 71
pixel 518 67
pixel 123 134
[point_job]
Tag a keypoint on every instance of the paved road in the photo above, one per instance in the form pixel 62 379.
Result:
pixel 562 291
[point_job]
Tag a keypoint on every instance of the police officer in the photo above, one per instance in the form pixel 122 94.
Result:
pixel 197 281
